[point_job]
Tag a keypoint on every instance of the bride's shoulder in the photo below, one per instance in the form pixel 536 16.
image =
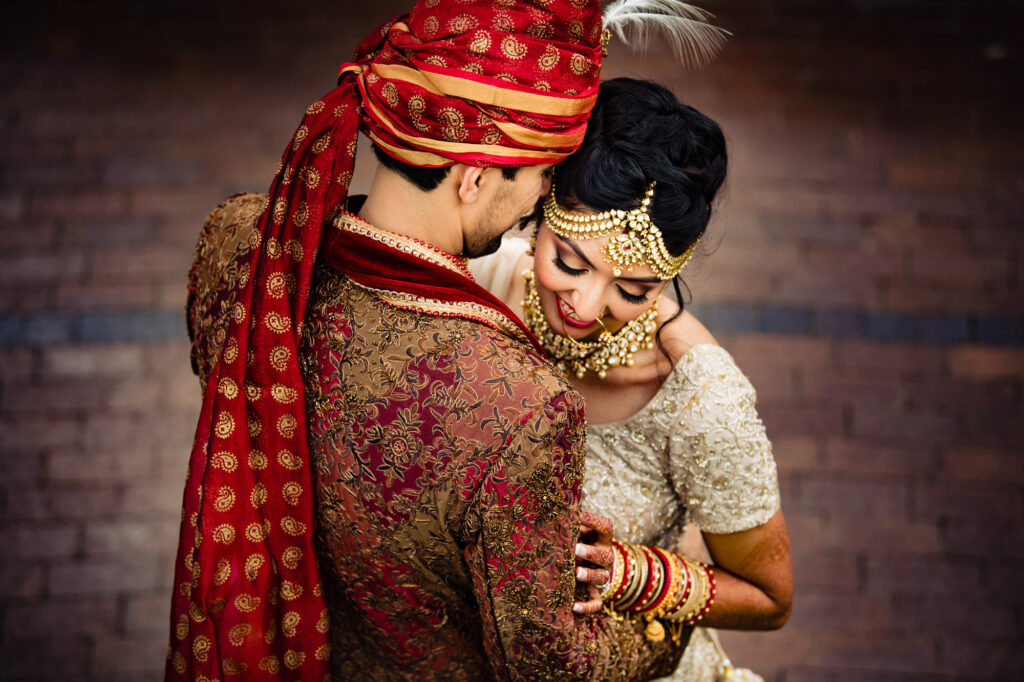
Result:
pixel 681 332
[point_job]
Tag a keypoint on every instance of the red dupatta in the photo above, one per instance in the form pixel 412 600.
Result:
pixel 430 88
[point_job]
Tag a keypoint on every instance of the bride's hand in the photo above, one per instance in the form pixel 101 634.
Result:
pixel 594 559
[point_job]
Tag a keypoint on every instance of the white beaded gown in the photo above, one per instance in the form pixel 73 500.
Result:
pixel 696 453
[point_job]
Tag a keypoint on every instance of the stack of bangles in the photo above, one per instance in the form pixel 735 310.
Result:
pixel 658 585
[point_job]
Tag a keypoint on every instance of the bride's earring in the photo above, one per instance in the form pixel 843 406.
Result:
pixel 533 245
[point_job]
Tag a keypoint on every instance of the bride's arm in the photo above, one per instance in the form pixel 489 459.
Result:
pixel 753 577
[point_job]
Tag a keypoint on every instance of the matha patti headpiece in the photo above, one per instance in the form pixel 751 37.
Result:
pixel 637 239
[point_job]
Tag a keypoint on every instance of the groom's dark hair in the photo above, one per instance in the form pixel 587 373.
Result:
pixel 424 177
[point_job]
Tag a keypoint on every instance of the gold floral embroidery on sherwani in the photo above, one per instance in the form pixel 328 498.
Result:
pixel 448 459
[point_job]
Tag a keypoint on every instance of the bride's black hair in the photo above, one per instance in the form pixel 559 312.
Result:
pixel 640 133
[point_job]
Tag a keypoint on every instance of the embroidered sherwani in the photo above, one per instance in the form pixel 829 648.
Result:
pixel 448 460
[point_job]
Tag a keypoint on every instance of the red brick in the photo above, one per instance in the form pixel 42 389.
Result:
pixel 55 656
pixel 980 537
pixel 105 576
pixel 990 235
pixel 889 652
pixel 805 673
pixel 21 579
pixel 138 261
pixel 981 465
pixel 724 286
pixel 12 210
pixel 85 361
pixel 938 577
pixel 1003 579
pixel 868 261
pixel 102 233
pixel 35 433
pixel 22 299
pixel 907 229
pixel 93 203
pixel 853 495
pixel 880 421
pixel 122 538
pixel 816 612
pixel 170 201
pixel 62 502
pixel 113 465
pixel 147 613
pixel 800 418
pixel 40 541
pixel 18 363
pixel 132 653
pixel 997 504
pixel 29 268
pixel 922 612
pixel 869 457
pixel 767 652
pixel 991 660
pixel 850 534
pixel 899 357
pixel 38 238
pixel 838 289
pixel 932 176
pixel 66 616
pixel 831 571
pixel 141 395
pixel 851 386
pixel 106 295
pixel 795 454
pixel 946 299
pixel 751 350
pixel 958 269
pixel 20 467
pixel 980 363
pixel 55 397
pixel 156 499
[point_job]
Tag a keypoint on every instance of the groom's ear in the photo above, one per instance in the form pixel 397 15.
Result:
pixel 468 178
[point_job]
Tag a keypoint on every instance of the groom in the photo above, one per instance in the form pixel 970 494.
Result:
pixel 383 398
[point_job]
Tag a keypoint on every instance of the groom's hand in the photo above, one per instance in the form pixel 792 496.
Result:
pixel 594 559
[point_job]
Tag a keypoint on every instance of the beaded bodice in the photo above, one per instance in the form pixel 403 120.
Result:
pixel 696 452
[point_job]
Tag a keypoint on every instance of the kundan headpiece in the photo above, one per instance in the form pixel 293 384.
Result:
pixel 483 82
pixel 637 239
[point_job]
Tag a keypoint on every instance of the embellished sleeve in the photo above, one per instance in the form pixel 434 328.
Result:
pixel 720 459
pixel 522 534
pixel 220 270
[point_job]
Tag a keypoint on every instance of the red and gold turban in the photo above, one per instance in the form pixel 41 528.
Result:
pixel 483 82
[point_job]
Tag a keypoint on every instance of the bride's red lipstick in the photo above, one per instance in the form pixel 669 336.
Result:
pixel 566 311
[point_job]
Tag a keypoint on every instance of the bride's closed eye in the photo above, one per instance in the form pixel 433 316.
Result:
pixel 632 298
pixel 566 268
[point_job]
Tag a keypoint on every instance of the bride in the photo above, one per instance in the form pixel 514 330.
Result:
pixel 674 440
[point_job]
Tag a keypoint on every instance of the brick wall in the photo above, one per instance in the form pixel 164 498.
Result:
pixel 864 268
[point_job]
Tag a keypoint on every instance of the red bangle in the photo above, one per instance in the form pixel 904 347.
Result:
pixel 672 577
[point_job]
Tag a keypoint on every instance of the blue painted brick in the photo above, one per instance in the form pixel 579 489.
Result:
pixel 1001 331
pixel 156 325
pixel 943 329
pixel 783 320
pixel 840 323
pixel 890 327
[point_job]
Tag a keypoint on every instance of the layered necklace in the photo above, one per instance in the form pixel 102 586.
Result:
pixel 609 350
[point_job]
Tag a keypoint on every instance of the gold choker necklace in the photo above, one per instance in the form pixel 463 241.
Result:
pixel 610 350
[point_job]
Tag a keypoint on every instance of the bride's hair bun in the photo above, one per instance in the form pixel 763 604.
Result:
pixel 640 133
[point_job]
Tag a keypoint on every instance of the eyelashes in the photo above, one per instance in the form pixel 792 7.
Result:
pixel 635 299
pixel 561 265
pixel 631 298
